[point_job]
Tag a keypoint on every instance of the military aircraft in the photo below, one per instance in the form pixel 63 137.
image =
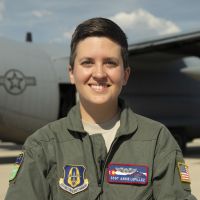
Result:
pixel 164 85
pixel 34 89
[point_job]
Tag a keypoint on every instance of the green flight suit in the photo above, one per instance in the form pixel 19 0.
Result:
pixel 139 141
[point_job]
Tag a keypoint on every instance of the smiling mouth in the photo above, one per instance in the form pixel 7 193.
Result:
pixel 99 87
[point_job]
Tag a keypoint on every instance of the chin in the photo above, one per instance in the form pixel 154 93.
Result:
pixel 98 100
pixel 101 101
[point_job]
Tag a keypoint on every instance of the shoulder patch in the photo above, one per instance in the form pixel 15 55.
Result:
pixel 16 166
pixel 184 172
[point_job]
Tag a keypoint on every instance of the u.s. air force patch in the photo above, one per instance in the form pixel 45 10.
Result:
pixel 127 174
pixel 74 180
pixel 16 167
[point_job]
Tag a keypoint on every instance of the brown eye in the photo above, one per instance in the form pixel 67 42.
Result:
pixel 110 63
pixel 87 63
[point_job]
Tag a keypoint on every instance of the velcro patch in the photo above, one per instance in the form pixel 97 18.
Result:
pixel 16 167
pixel 127 174
pixel 184 172
pixel 74 180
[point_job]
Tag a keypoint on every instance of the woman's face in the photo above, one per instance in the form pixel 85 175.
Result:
pixel 98 71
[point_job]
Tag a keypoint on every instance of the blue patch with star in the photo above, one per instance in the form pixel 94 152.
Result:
pixel 127 174
pixel 74 180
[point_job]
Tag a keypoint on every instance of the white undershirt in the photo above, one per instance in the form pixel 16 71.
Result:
pixel 107 129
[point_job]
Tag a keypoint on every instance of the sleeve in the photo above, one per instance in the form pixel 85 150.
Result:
pixel 169 181
pixel 29 182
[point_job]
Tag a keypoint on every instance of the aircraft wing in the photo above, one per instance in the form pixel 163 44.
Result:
pixel 186 44
pixel 165 82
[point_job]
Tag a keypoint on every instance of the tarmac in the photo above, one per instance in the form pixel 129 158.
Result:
pixel 9 152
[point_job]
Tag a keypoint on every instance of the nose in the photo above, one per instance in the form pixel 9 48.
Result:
pixel 99 71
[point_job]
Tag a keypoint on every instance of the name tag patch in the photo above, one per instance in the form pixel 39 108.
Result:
pixel 127 174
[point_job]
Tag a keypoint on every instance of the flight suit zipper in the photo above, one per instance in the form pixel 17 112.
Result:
pixel 93 157
pixel 105 163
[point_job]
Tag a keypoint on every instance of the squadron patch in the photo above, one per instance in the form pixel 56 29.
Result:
pixel 127 174
pixel 184 172
pixel 16 167
pixel 74 180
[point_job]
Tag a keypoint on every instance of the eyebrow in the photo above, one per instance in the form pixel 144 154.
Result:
pixel 106 58
pixel 86 58
pixel 112 58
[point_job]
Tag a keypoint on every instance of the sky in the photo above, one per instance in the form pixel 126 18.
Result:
pixel 53 21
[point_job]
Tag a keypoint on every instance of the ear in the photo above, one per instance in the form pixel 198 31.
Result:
pixel 71 74
pixel 127 72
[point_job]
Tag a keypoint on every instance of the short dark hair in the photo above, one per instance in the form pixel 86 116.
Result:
pixel 100 27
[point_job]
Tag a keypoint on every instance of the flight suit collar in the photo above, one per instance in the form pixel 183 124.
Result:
pixel 128 120
pixel 74 122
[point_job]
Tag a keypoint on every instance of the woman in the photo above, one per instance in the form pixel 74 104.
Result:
pixel 102 149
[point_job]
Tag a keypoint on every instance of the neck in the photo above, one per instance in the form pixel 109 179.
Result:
pixel 98 113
